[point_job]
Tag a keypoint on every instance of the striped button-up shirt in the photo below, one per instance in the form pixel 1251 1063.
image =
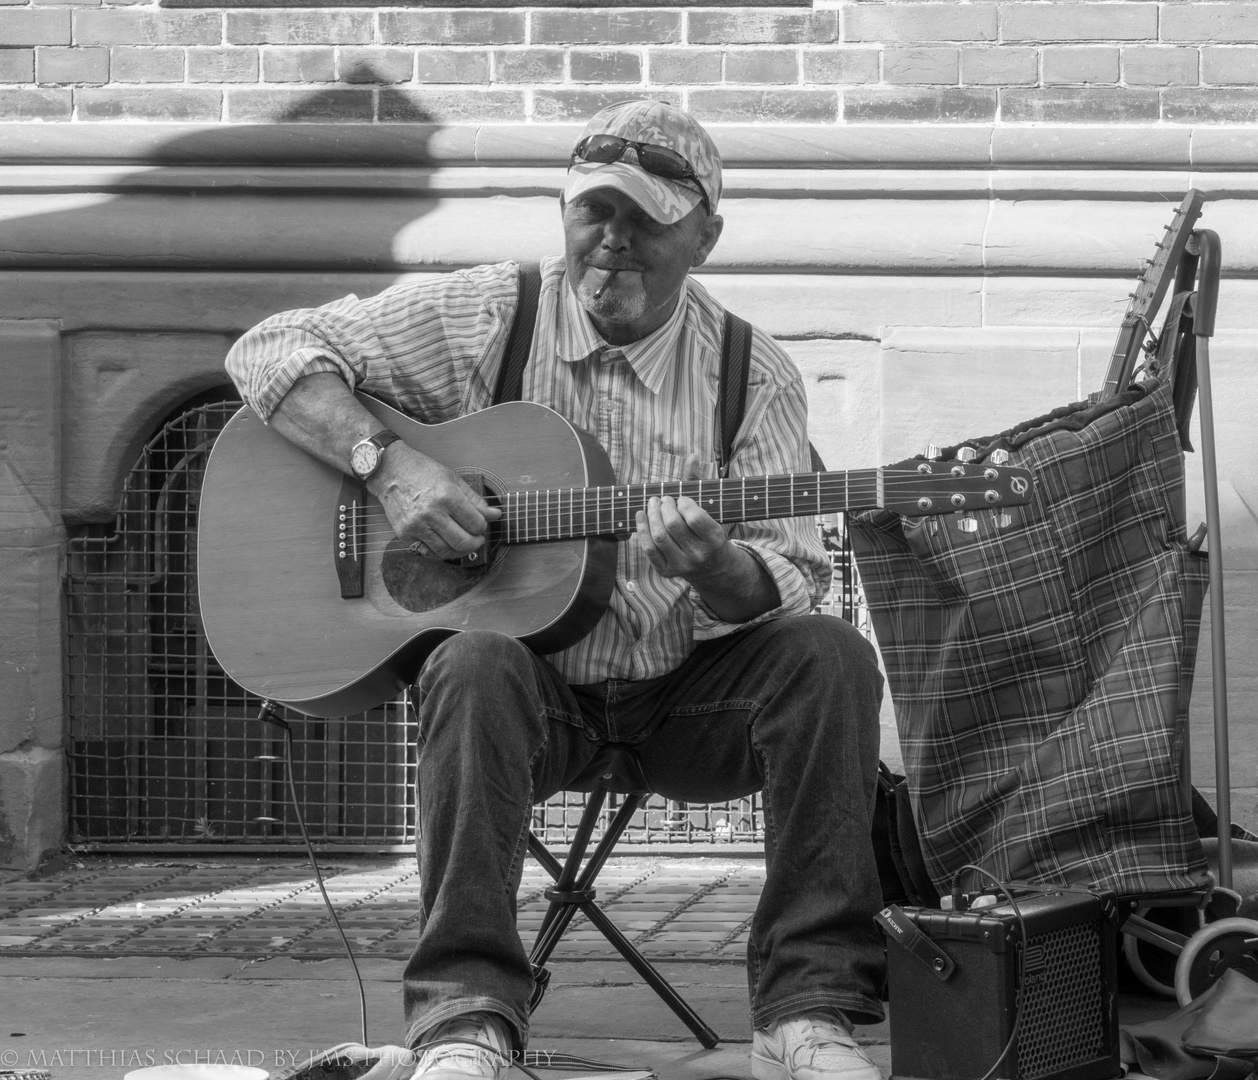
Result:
pixel 434 347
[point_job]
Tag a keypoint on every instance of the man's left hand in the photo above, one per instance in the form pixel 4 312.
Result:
pixel 681 539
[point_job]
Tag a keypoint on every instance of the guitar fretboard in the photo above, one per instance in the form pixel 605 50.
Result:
pixel 560 514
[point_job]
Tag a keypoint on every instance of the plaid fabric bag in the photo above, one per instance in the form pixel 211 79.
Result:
pixel 1041 672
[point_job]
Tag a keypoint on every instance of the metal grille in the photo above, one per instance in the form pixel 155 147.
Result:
pixel 1063 1008
pixel 165 748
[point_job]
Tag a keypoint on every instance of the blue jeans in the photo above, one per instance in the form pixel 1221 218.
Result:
pixel 788 707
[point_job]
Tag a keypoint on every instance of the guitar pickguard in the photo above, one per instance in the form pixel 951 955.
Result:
pixel 418 584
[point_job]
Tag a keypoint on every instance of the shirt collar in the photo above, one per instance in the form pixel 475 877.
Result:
pixel 651 358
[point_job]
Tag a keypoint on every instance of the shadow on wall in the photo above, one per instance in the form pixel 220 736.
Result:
pixel 216 229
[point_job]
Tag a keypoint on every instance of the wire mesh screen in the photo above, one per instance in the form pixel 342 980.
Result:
pixel 165 748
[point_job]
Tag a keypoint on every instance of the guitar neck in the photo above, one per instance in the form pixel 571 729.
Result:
pixel 562 514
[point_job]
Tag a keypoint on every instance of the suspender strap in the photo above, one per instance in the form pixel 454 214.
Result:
pixel 520 341
pixel 732 393
pixel 735 361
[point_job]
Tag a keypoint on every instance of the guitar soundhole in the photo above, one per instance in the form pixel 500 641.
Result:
pixel 423 584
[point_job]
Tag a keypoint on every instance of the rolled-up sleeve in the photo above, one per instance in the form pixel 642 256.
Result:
pixel 773 440
pixel 419 344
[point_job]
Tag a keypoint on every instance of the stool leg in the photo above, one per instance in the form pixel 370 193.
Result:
pixel 706 1036
pixel 561 912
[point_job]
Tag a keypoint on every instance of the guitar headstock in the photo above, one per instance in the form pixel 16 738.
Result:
pixel 917 488
pixel 1157 276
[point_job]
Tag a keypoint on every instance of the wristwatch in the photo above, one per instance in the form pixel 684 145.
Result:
pixel 364 458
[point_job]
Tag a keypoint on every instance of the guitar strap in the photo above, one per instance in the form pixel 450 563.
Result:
pixel 735 361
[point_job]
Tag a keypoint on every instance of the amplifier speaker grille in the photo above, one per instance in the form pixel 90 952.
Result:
pixel 1062 980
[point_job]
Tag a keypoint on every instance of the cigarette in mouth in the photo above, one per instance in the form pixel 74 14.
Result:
pixel 598 293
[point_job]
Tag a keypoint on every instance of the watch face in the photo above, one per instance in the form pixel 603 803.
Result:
pixel 364 458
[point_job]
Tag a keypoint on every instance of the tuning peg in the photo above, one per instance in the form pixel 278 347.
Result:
pixel 966 453
pixel 1001 520
pixel 933 452
pixel 967 524
pixel 999 457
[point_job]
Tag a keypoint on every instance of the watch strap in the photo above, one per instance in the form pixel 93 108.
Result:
pixel 383 437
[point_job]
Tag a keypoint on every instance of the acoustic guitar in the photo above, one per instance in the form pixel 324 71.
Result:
pixel 311 601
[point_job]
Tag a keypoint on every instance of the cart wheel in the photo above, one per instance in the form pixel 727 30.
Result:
pixel 1228 943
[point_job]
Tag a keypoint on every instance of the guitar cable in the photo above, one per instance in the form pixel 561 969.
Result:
pixel 269 714
pixel 330 1066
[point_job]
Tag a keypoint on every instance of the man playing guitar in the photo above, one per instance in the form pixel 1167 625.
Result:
pixel 706 661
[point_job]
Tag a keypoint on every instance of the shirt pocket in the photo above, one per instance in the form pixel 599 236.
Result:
pixel 666 467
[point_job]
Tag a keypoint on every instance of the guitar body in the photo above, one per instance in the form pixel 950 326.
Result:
pixel 268 554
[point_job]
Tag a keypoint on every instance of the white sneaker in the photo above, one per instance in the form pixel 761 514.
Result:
pixel 480 1049
pixel 811 1046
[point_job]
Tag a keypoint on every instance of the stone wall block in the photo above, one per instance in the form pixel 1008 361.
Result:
pixel 223 65
pixel 767 26
pixel 118 387
pixel 843 383
pixel 944 386
pixel 1160 66
pixel 787 106
pixel 151 64
pixel 914 105
pixel 560 26
pixel 17 65
pixel 669 65
pixel 1000 66
pixel 298 64
pixel 37 103
pixel 32 806
pixel 529 65
pixel 1069 105
pixel 58 64
pixel 771 65
pixel 847 307
pixel 1132 21
pixel 840 64
pixel 1081 65
pixel 440 66
pixel 298 28
pixel 31 540
pixel 35 28
pixel 920 22
pixel 147 28
pixel 605 65
pixel 922 65
pixel 189 104
pixel 1235 21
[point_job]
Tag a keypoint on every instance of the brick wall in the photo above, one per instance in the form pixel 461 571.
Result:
pixel 851 61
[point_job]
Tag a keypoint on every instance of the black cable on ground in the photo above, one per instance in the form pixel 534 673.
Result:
pixel 271 716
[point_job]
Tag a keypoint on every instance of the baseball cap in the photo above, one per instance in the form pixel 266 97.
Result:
pixel 656 124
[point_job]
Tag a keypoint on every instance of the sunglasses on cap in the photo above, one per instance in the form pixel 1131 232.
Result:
pixel 657 160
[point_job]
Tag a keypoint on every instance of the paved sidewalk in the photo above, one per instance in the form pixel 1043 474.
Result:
pixel 111 964
pixel 693 908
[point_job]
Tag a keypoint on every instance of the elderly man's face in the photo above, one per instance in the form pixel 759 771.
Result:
pixel 604 231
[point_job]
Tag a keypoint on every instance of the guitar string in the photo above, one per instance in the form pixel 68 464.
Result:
pixel 525 523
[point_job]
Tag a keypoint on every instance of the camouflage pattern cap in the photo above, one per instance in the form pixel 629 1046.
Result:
pixel 658 124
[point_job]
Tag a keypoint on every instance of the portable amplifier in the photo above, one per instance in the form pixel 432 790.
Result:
pixel 958 978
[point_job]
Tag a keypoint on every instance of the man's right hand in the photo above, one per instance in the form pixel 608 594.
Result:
pixel 425 501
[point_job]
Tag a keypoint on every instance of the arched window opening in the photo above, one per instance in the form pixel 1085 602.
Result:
pixel 164 749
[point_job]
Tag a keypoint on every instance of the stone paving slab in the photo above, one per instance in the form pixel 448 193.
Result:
pixel 689 907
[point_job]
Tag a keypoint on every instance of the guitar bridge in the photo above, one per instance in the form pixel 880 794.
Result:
pixel 348 536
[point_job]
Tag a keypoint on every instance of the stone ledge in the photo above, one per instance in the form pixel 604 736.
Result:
pixel 743 145
pixel 257 231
